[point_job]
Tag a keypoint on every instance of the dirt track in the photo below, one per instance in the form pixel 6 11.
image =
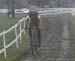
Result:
pixel 53 47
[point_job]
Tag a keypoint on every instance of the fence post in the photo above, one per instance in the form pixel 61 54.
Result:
pixel 16 37
pixel 24 26
pixel 4 43
pixel 20 33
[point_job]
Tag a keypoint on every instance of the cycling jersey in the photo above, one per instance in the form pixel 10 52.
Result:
pixel 34 18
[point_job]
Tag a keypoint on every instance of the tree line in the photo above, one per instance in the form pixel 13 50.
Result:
pixel 39 3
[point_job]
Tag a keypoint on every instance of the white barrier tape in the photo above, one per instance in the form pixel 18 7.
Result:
pixel 13 27
pixel 10 44
pixel 22 20
pixel 51 13
pixel 16 24
pixel 2 50
pixel 1 33
pixel 10 29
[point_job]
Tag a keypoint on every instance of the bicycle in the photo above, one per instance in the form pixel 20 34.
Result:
pixel 34 41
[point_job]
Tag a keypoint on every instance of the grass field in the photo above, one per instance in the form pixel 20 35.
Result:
pixel 71 29
pixel 13 53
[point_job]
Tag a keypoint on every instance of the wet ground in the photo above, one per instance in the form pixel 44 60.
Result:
pixel 53 48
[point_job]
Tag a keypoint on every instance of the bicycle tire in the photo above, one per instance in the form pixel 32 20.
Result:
pixel 34 40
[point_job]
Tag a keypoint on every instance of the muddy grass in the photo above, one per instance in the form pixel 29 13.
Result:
pixel 71 24
pixel 71 28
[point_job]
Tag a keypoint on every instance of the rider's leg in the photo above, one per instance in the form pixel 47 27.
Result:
pixel 30 32
pixel 39 36
pixel 31 43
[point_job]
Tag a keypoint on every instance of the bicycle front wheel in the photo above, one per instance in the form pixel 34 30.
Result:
pixel 34 41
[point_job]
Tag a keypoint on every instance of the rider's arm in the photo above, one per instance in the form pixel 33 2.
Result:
pixel 39 18
pixel 27 23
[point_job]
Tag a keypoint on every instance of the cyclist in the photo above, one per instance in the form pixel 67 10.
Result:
pixel 33 19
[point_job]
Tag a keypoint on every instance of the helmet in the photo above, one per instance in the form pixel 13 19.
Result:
pixel 33 8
